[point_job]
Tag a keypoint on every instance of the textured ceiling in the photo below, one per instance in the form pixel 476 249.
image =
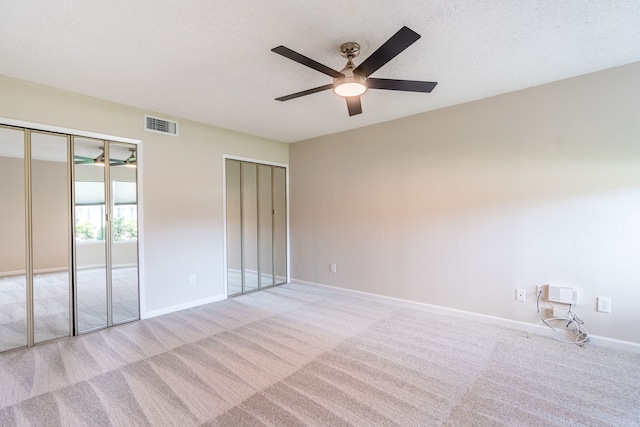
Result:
pixel 210 61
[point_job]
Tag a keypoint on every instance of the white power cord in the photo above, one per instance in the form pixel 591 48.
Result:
pixel 573 331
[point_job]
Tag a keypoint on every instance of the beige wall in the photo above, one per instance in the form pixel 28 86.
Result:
pixel 50 220
pixel 181 181
pixel 12 249
pixel 461 206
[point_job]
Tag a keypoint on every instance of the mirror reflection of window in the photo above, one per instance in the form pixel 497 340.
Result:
pixel 125 212
pixel 90 225
pixel 90 215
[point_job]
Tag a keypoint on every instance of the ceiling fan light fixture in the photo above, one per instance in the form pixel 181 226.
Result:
pixel 350 86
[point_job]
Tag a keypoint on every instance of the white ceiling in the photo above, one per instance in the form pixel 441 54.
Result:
pixel 210 60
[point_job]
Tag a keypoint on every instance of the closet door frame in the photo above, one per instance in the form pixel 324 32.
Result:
pixel 225 219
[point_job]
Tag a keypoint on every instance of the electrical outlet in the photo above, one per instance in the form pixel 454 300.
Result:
pixel 333 268
pixel 520 295
pixel 192 279
pixel 540 290
pixel 604 305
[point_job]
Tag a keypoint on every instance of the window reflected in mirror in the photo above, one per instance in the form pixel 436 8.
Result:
pixel 90 234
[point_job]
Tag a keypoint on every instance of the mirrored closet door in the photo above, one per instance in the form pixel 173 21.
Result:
pixel 13 244
pixel 123 184
pixel 50 235
pixel 256 226
pixel 58 280
pixel 106 233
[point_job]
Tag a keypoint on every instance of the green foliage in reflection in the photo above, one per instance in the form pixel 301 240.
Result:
pixel 124 229
pixel 84 231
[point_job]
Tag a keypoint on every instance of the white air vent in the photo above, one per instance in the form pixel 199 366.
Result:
pixel 155 124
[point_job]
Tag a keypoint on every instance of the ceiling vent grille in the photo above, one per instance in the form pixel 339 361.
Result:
pixel 156 124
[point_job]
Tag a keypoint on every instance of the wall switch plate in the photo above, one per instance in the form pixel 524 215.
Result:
pixel 604 305
pixel 333 268
pixel 192 279
pixel 520 295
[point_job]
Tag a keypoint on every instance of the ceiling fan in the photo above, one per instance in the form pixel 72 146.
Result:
pixel 100 160
pixel 352 81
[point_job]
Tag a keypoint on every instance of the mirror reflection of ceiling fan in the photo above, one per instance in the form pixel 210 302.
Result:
pixel 130 161
pixel 351 82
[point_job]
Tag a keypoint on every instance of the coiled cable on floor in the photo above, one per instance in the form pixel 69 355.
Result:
pixel 573 331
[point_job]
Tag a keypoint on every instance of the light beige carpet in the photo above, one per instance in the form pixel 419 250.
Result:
pixel 295 355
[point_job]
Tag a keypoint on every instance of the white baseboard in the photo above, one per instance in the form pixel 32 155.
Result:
pixel 493 320
pixel 90 266
pixel 12 273
pixel 127 265
pixel 178 307
pixel 40 271
pixel 50 270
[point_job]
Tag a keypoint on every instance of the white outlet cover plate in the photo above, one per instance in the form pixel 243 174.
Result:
pixel 604 305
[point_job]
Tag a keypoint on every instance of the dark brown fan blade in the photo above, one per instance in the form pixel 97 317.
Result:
pixel 295 56
pixel 354 105
pixel 305 92
pixel 406 85
pixel 401 40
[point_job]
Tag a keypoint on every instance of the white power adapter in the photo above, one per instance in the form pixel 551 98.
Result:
pixel 561 294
